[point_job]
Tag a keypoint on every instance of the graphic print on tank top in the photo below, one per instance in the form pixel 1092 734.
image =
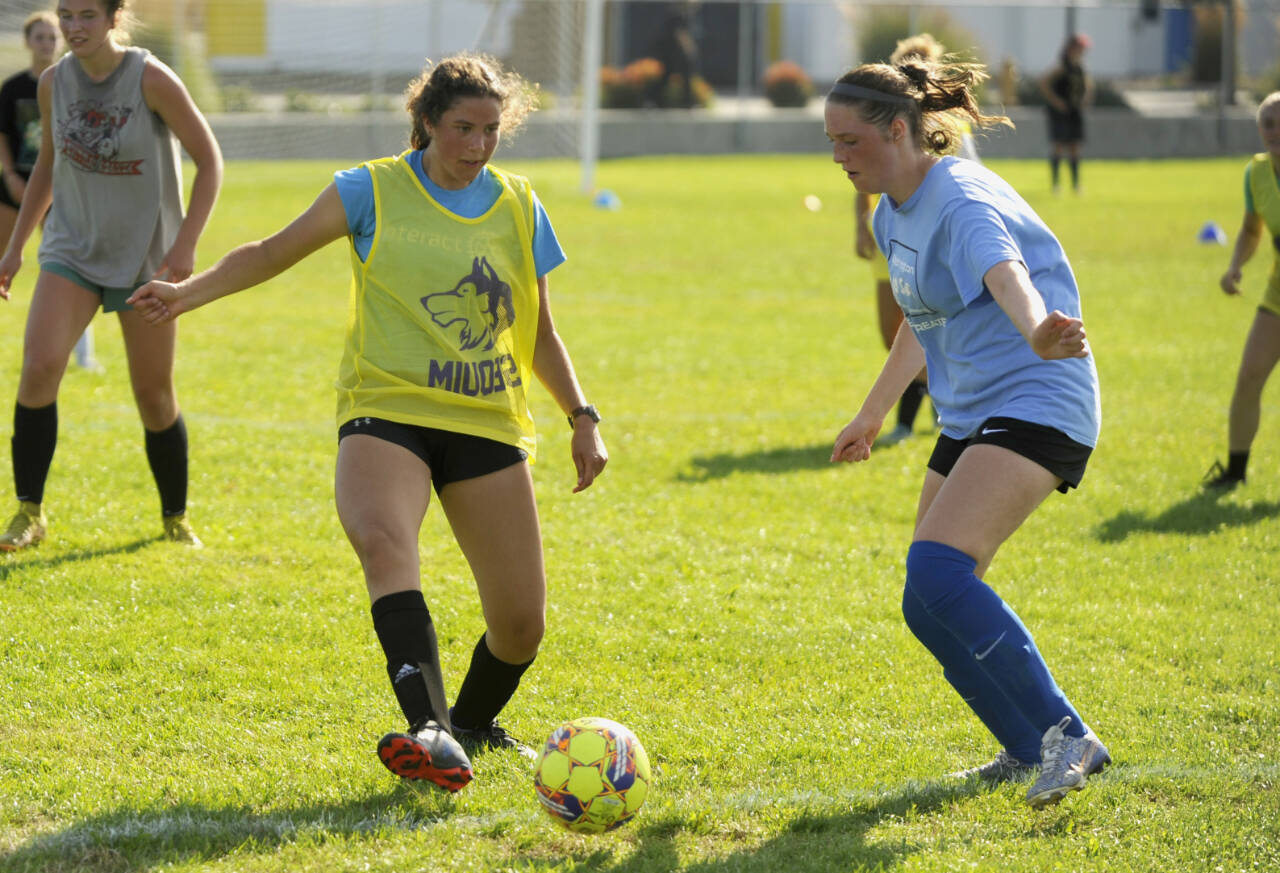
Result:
pixel 90 138
pixel 477 310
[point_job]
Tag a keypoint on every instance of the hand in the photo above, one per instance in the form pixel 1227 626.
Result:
pixel 589 453
pixel 854 442
pixel 158 301
pixel 177 265
pixel 1059 336
pixel 1230 282
pixel 864 245
pixel 10 264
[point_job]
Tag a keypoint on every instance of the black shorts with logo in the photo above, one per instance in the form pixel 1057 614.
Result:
pixel 450 456
pixel 1049 447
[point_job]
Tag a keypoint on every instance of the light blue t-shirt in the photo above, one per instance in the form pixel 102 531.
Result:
pixel 355 187
pixel 961 222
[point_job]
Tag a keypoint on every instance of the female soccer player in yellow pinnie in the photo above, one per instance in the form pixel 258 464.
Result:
pixel 451 321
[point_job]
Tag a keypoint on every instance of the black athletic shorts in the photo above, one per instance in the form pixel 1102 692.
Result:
pixel 1049 447
pixel 450 456
pixel 1066 127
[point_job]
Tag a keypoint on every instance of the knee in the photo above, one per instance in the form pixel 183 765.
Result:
pixel 41 370
pixel 157 406
pixel 913 611
pixel 376 544
pixel 937 573
pixel 1252 377
pixel 516 636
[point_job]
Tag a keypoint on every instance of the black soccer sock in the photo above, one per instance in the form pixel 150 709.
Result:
pixel 488 685
pixel 167 455
pixel 408 639
pixel 909 404
pixel 35 435
pixel 1074 164
pixel 1053 169
pixel 1236 462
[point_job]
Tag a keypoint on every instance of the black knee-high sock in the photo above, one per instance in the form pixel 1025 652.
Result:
pixel 910 403
pixel 35 435
pixel 1053 169
pixel 408 639
pixel 1236 463
pixel 488 686
pixel 1074 164
pixel 167 455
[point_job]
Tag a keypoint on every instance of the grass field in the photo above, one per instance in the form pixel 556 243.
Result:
pixel 722 590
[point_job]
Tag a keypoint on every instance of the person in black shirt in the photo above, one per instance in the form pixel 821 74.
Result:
pixel 1067 88
pixel 20 117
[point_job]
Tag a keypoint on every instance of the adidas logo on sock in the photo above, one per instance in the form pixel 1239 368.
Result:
pixel 405 671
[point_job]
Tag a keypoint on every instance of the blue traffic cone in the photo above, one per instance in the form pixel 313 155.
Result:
pixel 606 199
pixel 1212 233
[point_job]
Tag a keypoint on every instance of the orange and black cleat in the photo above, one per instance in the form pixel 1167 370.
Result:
pixel 428 752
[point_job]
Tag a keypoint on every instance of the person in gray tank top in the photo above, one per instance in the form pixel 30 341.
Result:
pixel 109 173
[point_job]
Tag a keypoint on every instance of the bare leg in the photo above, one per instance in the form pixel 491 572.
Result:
pixel 1261 352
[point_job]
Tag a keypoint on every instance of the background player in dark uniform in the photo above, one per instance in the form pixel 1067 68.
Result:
pixel 1067 89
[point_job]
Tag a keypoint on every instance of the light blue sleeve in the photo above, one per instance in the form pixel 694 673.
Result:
pixel 980 239
pixel 355 187
pixel 547 253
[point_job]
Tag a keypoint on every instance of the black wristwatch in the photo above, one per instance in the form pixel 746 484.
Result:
pixel 589 411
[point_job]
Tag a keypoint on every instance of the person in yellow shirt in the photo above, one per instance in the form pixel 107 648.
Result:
pixel 1262 348
pixel 450 321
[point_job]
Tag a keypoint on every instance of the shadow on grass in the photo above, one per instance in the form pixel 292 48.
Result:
pixel 187 834
pixel 146 839
pixel 781 460
pixel 29 559
pixel 1202 513
pixel 815 841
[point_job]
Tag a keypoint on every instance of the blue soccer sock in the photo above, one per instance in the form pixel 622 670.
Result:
pixel 990 633
pixel 1018 736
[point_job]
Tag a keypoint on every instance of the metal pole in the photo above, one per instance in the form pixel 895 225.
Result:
pixel 589 134
pixel 1229 53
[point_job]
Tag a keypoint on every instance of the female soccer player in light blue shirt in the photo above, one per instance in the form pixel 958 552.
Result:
pixel 992 307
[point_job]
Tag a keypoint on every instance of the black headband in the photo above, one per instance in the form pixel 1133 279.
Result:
pixel 848 89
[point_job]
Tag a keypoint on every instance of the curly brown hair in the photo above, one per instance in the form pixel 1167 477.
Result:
pixel 440 86
pixel 933 97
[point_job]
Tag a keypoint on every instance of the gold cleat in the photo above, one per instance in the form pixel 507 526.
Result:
pixel 26 529
pixel 178 530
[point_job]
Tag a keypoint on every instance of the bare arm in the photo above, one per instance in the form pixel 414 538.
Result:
pixel 167 97
pixel 1246 244
pixel 904 363
pixel 247 265
pixel 9 177
pixel 39 193
pixel 1051 335
pixel 554 370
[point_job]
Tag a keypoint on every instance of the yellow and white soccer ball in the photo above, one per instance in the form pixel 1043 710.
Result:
pixel 592 775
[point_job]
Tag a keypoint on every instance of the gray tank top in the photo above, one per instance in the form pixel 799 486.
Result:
pixel 117 176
